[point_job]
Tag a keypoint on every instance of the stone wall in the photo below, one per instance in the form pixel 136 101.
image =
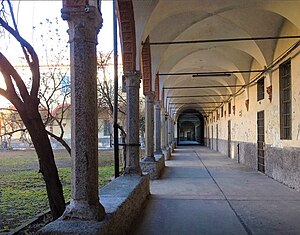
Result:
pixel 284 165
pixel 281 164
pixel 154 169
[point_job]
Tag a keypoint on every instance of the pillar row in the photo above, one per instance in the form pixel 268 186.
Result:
pixel 133 146
pixel 83 29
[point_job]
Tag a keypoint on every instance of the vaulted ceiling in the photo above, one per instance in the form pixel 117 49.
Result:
pixel 197 20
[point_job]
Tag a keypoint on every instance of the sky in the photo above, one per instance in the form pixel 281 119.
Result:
pixel 30 14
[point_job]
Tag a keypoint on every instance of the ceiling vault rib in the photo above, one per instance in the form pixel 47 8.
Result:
pixel 195 96
pixel 196 87
pixel 224 40
pixel 208 102
pixel 211 72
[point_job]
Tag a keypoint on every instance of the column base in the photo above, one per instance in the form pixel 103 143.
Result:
pixel 167 153
pixel 173 146
pixel 83 211
pixel 153 169
pixel 158 153
pixel 130 170
pixel 149 159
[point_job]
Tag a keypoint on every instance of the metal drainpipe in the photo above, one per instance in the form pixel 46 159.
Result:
pixel 116 132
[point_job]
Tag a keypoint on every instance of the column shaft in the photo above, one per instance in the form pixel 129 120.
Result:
pixel 169 131
pixel 133 127
pixel 157 128
pixel 83 30
pixel 149 127
pixel 166 131
pixel 163 129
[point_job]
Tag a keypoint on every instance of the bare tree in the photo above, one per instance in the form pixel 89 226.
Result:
pixel 11 124
pixel 54 89
pixel 105 86
pixel 26 102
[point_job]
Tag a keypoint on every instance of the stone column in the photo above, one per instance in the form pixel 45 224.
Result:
pixel 149 127
pixel 157 128
pixel 166 150
pixel 132 119
pixel 170 131
pixel 163 129
pixel 166 131
pixel 84 25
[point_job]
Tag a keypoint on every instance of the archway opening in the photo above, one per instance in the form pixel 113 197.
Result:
pixel 190 128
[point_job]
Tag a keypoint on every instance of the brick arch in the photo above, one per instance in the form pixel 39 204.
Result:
pixel 146 67
pixel 156 94
pixel 127 34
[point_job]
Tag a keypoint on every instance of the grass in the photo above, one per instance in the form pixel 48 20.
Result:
pixel 22 188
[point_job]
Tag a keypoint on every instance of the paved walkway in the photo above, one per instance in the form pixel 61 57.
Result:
pixel 204 192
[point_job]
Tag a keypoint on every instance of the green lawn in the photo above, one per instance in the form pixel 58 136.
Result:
pixel 22 189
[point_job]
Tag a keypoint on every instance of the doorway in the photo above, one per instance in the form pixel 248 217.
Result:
pixel 261 141
pixel 190 128
pixel 217 138
pixel 229 139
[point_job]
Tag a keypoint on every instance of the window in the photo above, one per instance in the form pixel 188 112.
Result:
pixel 222 111
pixel 229 107
pixel 285 100
pixel 260 89
pixel 65 84
pixel 106 128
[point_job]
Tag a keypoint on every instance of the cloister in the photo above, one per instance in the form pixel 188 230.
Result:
pixel 218 73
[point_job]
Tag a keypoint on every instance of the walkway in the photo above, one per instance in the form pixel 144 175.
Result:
pixel 204 192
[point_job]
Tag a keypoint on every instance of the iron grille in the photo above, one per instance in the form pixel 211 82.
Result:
pixel 285 100
pixel 261 89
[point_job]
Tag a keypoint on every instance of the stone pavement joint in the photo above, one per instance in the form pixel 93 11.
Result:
pixel 212 194
pixel 234 211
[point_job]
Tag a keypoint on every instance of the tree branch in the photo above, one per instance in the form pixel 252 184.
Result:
pixel 28 52
pixel 60 140
pixel 14 131
pixel 8 70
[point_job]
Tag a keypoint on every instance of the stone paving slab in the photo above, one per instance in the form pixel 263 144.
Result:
pixel 174 217
pixel 204 192
pixel 270 217
pixel 184 186
pixel 260 186
pixel 185 172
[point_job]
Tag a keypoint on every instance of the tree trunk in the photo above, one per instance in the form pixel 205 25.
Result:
pixel 36 128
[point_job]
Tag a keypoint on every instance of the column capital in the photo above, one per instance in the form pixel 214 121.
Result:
pixel 133 78
pixel 84 22
pixel 149 96
pixel 157 104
